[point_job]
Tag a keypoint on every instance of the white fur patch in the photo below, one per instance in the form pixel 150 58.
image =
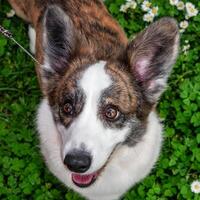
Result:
pixel 32 44
pixel 50 142
pixel 32 37
pixel 94 80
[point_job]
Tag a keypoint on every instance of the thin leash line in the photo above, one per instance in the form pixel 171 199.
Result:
pixel 9 35
pixel 27 52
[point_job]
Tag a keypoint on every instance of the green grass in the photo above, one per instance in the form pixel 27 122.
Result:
pixel 23 174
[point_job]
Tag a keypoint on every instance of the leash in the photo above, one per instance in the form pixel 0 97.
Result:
pixel 9 35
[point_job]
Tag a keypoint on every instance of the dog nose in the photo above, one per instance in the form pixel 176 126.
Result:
pixel 78 161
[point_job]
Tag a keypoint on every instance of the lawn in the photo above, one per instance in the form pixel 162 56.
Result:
pixel 23 174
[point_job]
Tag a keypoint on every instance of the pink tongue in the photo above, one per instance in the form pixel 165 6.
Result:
pixel 83 179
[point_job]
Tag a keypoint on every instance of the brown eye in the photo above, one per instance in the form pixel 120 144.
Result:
pixel 68 109
pixel 112 113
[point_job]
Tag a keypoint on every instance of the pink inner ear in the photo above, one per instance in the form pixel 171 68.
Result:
pixel 141 68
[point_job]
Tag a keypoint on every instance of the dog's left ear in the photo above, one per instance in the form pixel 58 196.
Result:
pixel 151 56
pixel 58 40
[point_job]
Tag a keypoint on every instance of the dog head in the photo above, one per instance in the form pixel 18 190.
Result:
pixel 99 104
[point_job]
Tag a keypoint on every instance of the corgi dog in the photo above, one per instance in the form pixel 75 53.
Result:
pixel 98 128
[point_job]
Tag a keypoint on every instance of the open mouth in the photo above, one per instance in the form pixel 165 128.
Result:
pixel 84 180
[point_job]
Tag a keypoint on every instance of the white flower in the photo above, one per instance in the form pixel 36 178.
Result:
pixel 191 10
pixel 154 11
pixel 173 2
pixel 187 17
pixel 195 187
pixel 182 30
pixel 186 47
pixel 124 8
pixel 146 6
pixel 131 4
pixel 184 24
pixel 10 14
pixel 148 17
pixel 180 5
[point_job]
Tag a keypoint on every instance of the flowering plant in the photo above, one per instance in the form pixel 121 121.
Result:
pixel 177 174
pixel 150 11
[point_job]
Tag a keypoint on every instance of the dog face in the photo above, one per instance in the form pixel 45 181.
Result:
pixel 100 104
pixel 95 125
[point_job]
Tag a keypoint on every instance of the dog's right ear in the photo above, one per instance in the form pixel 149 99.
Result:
pixel 58 40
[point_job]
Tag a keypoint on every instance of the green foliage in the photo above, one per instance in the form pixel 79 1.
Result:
pixel 23 174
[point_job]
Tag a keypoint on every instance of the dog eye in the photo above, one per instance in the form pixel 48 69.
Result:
pixel 111 113
pixel 68 108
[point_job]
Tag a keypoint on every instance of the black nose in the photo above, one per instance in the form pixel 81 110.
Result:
pixel 78 161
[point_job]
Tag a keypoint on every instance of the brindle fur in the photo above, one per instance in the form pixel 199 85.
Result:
pixel 101 34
